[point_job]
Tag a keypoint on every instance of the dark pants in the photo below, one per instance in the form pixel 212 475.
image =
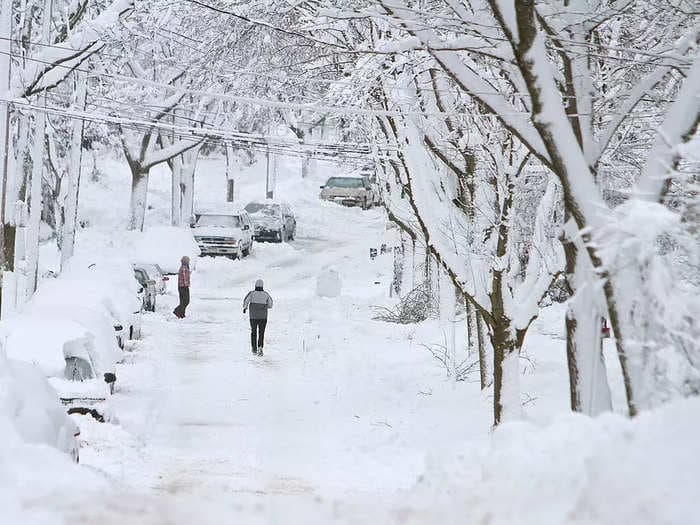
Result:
pixel 257 326
pixel 184 292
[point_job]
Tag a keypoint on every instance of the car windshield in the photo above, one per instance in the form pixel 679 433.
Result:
pixel 221 221
pixel 257 208
pixel 345 182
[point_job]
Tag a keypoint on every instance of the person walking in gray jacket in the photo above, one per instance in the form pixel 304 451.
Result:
pixel 259 302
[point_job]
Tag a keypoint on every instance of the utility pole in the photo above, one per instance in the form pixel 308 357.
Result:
pixel 230 178
pixel 76 155
pixel 5 133
pixel 269 185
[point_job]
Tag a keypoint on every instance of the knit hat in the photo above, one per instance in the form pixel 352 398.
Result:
pixel 259 283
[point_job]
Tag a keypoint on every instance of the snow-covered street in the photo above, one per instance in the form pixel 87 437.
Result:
pixel 344 419
pixel 337 412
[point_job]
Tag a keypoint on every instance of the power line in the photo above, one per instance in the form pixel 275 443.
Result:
pixel 198 133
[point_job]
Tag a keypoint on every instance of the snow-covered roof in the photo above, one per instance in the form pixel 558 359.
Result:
pixel 220 209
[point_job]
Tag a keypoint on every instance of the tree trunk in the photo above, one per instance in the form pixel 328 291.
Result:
pixel 189 166
pixel 306 165
pixel 73 190
pixel 506 354
pixel 176 191
pixel 15 280
pixel 588 383
pixel 485 354
pixel 506 372
pixel 139 195
pixel 35 204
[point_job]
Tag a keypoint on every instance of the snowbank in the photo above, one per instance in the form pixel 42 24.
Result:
pixel 38 447
pixel 583 470
pixel 30 411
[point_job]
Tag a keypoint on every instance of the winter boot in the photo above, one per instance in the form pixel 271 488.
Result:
pixel 260 352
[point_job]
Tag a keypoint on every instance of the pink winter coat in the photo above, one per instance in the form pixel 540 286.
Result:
pixel 183 276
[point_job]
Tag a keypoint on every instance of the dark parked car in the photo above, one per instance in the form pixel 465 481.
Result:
pixel 147 288
pixel 272 221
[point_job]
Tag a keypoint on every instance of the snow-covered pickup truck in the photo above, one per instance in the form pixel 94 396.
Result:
pixel 349 191
pixel 227 233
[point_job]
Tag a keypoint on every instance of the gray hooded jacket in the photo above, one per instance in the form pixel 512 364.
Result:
pixel 258 301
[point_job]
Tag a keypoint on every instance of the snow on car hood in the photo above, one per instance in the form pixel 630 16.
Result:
pixel 217 231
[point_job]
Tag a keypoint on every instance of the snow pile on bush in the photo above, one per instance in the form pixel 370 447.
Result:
pixel 603 470
pixel 328 284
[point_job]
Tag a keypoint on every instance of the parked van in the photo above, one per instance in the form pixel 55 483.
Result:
pixel 223 232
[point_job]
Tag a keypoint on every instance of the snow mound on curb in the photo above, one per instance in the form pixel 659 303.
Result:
pixel 328 284
pixel 32 406
pixel 36 444
pixel 581 470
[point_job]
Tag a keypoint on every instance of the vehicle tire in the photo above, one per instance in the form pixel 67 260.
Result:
pixel 246 252
pixel 365 205
pixel 280 235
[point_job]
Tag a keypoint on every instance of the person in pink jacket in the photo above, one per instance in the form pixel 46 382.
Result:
pixel 183 287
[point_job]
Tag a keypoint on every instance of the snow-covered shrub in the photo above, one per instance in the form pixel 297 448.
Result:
pixel 416 306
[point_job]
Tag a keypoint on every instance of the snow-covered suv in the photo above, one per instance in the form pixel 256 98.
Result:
pixel 350 191
pixel 228 233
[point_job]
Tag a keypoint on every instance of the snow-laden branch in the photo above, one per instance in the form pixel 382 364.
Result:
pixel 159 156
pixel 57 62
pixel 464 72
pixel 681 121
pixel 643 87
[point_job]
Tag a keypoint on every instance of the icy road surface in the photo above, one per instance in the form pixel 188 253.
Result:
pixel 337 422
